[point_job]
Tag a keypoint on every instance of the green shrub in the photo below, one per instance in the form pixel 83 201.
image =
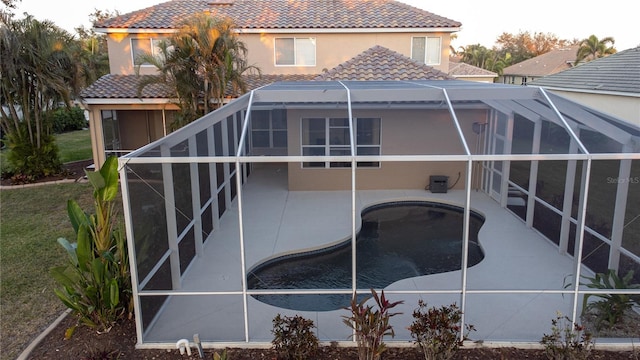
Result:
pixel 29 160
pixel 437 330
pixel 66 119
pixel 370 326
pixel 96 283
pixel 610 308
pixel 293 338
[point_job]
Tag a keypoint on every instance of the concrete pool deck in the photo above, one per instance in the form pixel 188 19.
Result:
pixel 277 221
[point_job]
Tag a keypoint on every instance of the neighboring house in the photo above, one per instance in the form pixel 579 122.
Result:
pixel 543 65
pixel 463 71
pixel 286 40
pixel 610 84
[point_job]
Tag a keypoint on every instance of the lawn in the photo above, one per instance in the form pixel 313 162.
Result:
pixel 31 220
pixel 74 145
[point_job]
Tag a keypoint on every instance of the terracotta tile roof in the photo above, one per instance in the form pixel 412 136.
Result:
pixel 286 14
pixel 377 63
pixel 460 69
pixel 546 64
pixel 380 63
pixel 616 73
pixel 125 87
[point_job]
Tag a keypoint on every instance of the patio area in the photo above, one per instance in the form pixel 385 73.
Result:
pixel 517 258
pixel 290 167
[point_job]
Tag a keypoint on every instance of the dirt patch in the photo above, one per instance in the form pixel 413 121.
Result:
pixel 119 343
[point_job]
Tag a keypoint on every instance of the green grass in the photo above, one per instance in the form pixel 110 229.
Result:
pixel 73 146
pixel 31 220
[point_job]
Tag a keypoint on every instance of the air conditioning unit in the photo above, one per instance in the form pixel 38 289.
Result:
pixel 438 183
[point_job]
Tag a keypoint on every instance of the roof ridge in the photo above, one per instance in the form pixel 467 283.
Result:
pixel 282 14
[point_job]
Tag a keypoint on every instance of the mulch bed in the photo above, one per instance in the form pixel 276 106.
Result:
pixel 119 343
pixel 72 170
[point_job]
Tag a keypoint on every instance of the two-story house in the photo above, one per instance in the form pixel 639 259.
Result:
pixel 287 40
pixel 542 65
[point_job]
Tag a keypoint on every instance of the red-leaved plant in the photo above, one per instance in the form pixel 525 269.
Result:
pixel 370 325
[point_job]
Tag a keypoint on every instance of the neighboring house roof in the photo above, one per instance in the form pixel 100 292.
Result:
pixel 546 64
pixel 377 63
pixel 285 14
pixel 380 63
pixel 460 69
pixel 619 72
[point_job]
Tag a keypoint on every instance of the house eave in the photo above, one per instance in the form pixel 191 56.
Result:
pixel 591 91
pixel 346 30
pixel 128 101
pixel 291 30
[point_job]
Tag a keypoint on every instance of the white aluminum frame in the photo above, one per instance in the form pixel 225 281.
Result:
pixel 345 92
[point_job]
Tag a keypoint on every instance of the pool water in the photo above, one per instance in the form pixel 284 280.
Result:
pixel 397 241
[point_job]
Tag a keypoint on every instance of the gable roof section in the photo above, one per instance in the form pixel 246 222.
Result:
pixel 380 63
pixel 619 72
pixel 125 87
pixel 285 14
pixel 377 63
pixel 460 69
pixel 546 64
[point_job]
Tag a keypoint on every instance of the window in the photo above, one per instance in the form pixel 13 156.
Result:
pixel 269 128
pixel 330 136
pixel 426 49
pixel 295 51
pixel 110 131
pixel 143 46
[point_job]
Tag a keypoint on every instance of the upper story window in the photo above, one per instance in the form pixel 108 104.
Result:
pixel 295 51
pixel 330 137
pixel 143 46
pixel 426 49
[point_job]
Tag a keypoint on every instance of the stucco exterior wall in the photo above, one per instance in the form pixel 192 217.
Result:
pixel 120 57
pixel 403 132
pixel 334 49
pixel 331 50
pixel 623 107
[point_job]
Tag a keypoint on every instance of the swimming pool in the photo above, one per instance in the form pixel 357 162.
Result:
pixel 397 240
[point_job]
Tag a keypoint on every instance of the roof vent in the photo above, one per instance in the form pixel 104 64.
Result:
pixel 220 2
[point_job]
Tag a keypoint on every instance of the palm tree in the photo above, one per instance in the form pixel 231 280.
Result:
pixel 204 57
pixel 476 55
pixel 219 55
pixel 593 48
pixel 37 73
pixel 176 70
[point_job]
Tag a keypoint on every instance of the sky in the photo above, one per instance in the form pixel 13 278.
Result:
pixel 481 24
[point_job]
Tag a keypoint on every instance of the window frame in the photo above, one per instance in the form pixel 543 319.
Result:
pixel 295 51
pixel 426 49
pixel 270 131
pixel 328 146
pixel 154 48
